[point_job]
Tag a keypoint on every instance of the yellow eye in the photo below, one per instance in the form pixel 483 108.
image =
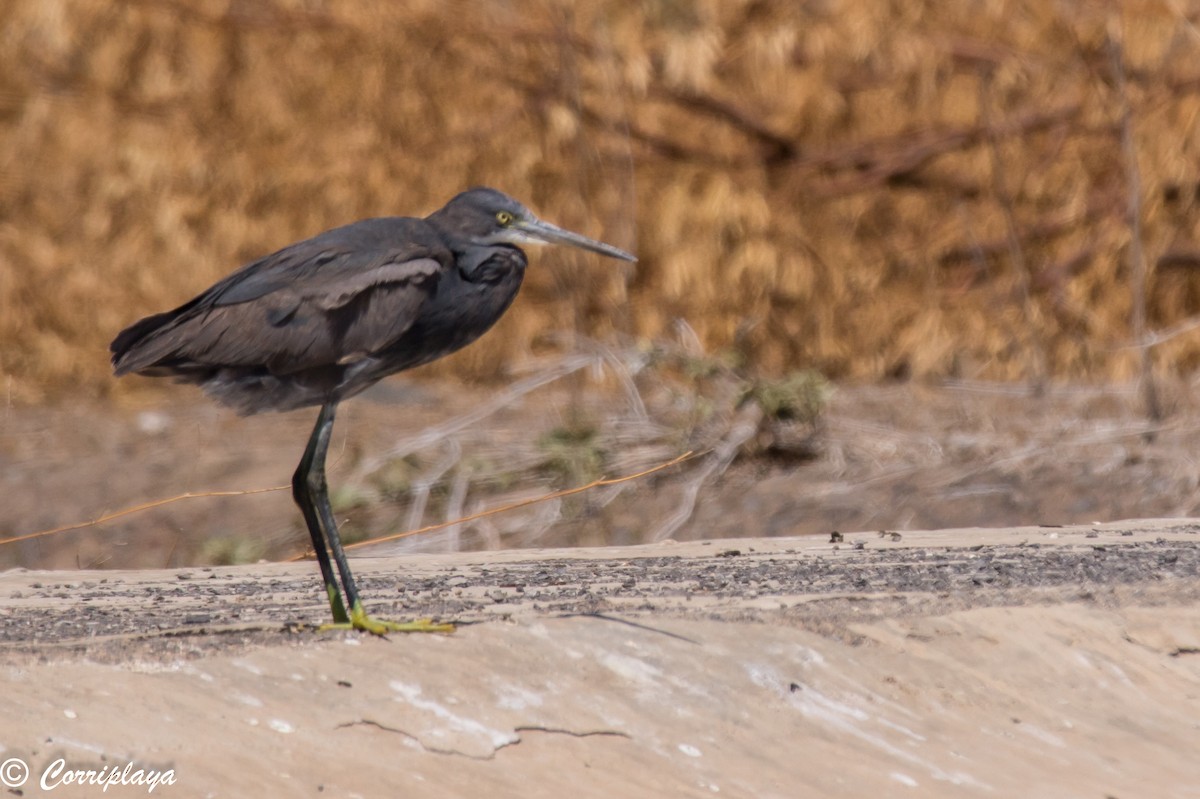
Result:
pixel 504 218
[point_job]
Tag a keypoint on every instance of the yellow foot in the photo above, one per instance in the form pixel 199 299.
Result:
pixel 359 620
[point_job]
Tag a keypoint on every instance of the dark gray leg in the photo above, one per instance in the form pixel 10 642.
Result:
pixel 312 495
pixel 319 491
pixel 303 493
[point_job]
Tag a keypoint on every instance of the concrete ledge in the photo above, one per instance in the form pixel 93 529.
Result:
pixel 1036 661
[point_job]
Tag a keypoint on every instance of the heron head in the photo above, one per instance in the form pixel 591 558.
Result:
pixel 486 217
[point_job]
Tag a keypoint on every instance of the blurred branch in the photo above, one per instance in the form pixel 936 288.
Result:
pixel 661 145
pixel 263 14
pixel 779 147
pixel 1016 254
pixel 1100 204
pixel 1137 258
pixel 896 158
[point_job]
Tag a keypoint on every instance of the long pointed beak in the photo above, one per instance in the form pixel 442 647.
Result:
pixel 553 234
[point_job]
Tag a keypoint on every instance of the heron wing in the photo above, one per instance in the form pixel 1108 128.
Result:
pixel 314 322
pixel 329 300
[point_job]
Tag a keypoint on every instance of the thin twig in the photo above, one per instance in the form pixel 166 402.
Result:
pixel 516 391
pixel 744 426
pixel 424 484
pixel 1137 259
pixel 454 509
pixel 619 362
pixel 108 517
pixel 607 481
pixel 1157 337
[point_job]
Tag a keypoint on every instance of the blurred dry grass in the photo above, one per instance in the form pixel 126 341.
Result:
pixel 901 188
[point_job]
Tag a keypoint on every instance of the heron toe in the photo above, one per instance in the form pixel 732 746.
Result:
pixel 359 620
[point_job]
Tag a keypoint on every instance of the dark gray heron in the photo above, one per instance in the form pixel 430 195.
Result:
pixel 323 319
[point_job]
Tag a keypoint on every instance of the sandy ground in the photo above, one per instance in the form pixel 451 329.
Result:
pixel 1038 661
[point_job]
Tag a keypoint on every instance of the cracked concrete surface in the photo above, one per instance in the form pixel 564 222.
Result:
pixel 1042 662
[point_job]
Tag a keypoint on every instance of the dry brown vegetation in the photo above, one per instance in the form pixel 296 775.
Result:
pixel 869 189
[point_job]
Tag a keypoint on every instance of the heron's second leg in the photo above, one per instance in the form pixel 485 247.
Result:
pixel 301 493
pixel 319 492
